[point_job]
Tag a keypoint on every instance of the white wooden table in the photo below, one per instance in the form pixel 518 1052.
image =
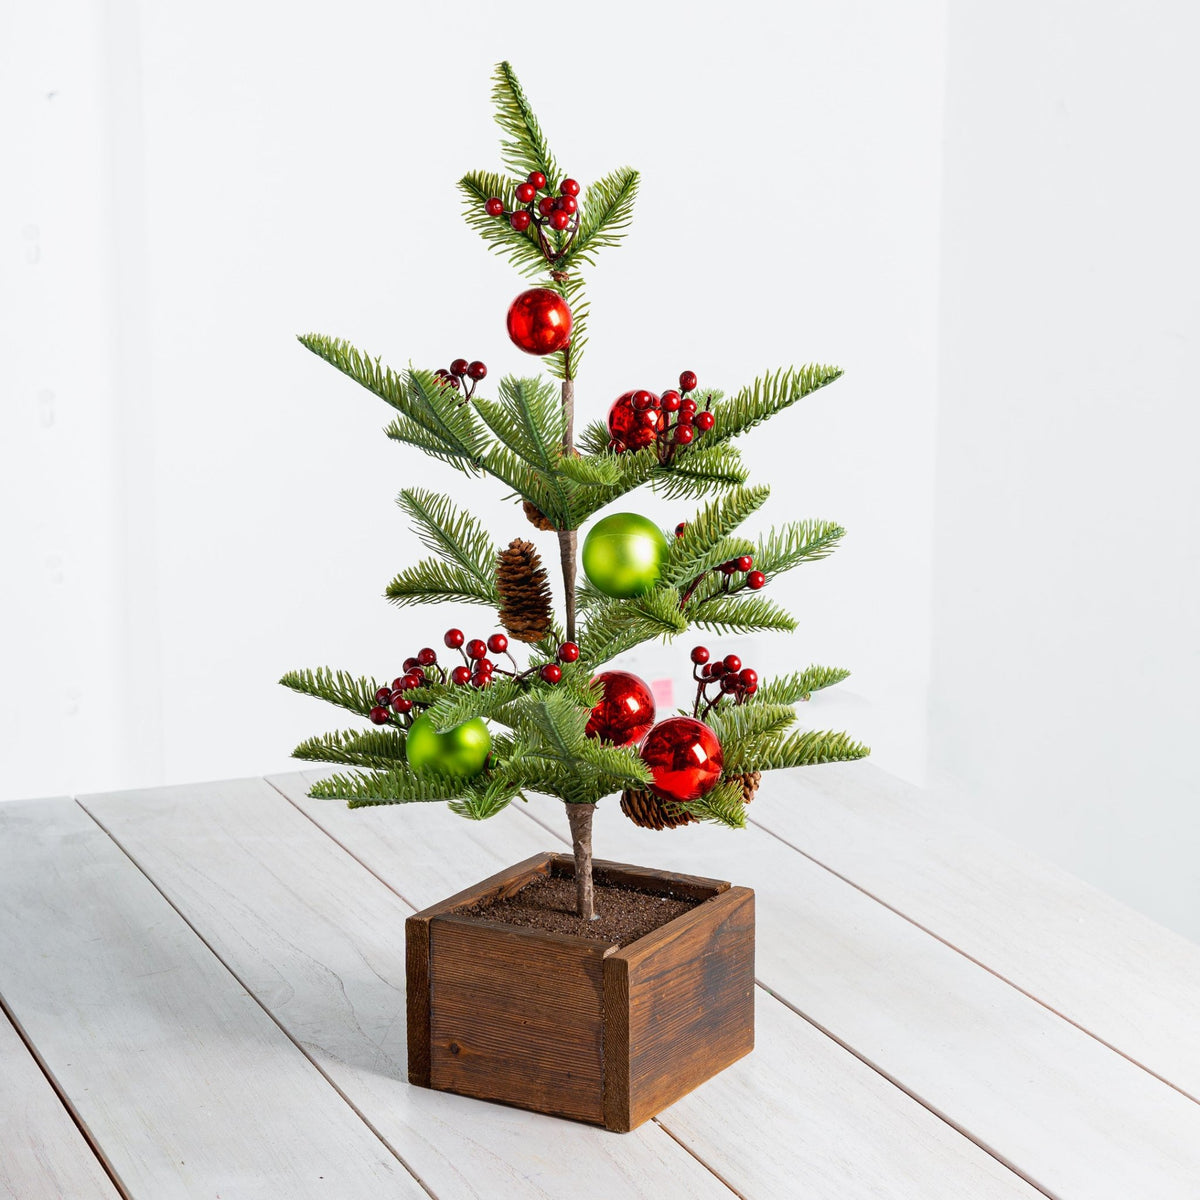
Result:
pixel 203 993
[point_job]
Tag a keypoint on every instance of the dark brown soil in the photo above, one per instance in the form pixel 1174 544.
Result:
pixel 549 903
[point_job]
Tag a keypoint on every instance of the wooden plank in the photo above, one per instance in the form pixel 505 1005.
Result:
pixel 517 1016
pixel 1064 1110
pixel 690 988
pixel 1083 954
pixel 43 1155
pixel 416 974
pixel 183 1081
pixel 817 1111
pixel 320 942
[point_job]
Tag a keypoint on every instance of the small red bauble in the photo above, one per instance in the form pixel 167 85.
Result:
pixel 520 221
pixel 684 757
pixel 497 643
pixel 700 654
pixel 551 672
pixel 684 434
pixel 476 370
pixel 755 580
pixel 461 675
pixel 626 425
pixel 687 381
pixel 453 638
pixel 559 220
pixel 427 656
pixel 625 713
pixel 705 421
pixel 494 207
pixel 476 648
pixel 539 321
pixel 568 652
pixel 569 187
pixel 379 716
pixel 526 192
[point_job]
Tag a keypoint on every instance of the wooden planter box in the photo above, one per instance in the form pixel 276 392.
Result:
pixel 576 1027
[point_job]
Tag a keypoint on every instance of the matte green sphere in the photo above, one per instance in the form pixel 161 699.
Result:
pixel 623 555
pixel 460 751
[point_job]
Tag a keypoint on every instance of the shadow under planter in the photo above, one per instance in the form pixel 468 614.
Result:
pixel 573 1026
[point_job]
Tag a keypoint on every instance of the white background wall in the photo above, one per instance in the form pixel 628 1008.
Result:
pixel 193 504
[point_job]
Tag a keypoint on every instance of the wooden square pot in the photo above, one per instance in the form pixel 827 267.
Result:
pixel 575 1027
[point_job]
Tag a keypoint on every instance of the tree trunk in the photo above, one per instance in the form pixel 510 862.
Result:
pixel 580 817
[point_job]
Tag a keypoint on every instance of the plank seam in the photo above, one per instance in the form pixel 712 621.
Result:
pixel 688 1150
pixel 65 1101
pixel 270 1015
pixel 978 962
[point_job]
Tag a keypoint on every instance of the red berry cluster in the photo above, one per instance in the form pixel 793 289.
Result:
pixel 460 371
pixel 558 208
pixel 402 697
pixel 478 670
pixel 640 418
pixel 743 565
pixel 727 675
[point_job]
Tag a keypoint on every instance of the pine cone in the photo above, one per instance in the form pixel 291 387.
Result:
pixel 535 516
pixel 524 592
pixel 644 808
pixel 749 781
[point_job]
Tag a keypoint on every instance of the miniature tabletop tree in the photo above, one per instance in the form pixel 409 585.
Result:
pixel 469 724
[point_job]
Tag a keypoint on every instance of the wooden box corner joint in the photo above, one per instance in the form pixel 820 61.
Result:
pixel 575 1027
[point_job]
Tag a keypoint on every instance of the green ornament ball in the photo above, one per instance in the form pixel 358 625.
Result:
pixel 623 555
pixel 461 751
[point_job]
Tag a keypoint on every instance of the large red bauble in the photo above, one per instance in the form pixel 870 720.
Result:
pixel 539 321
pixel 685 758
pixel 629 428
pixel 626 711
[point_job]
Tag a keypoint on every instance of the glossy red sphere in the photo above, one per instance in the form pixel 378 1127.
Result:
pixel 379 716
pixel 569 187
pixel 539 321
pixel 568 652
pixel 568 204
pixel 687 380
pixel 476 370
pixel 630 428
pixel 494 207
pixel 559 220
pixel 755 580
pixel 684 756
pixel 705 421
pixel 526 192
pixel 520 221
pixel 453 638
pixel 684 434
pixel 461 675
pixel 476 648
pixel 625 713
pixel 537 179
pixel 551 672
pixel 497 643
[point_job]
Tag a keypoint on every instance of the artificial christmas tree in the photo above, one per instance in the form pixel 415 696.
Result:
pixel 473 727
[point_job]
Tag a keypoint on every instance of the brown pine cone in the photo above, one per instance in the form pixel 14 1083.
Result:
pixel 524 591
pixel 749 781
pixel 535 516
pixel 644 808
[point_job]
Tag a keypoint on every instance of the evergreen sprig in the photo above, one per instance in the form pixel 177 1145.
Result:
pixel 335 687
pixel 382 749
pixel 791 689
pixel 766 397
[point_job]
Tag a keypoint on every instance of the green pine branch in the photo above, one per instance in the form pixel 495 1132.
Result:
pixel 616 626
pixel 376 748
pixel 791 689
pixel 800 750
pixel 432 581
pixel 722 806
pixel 606 209
pixel 739 614
pixel 396 786
pixel 520 248
pixel 337 687
pixel 524 148
pixel 766 396
pixel 702 545
pixel 699 470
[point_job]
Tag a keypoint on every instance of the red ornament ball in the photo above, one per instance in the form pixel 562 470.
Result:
pixel 684 757
pixel 625 713
pixel 379 716
pixel 630 427
pixel 539 321
pixel 494 207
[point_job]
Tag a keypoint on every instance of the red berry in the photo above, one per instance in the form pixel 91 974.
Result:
pixel 382 694
pixel 559 220
pixel 494 207
pixel 745 563
pixel 684 434
pixel 379 716
pixel 476 370
pixel 537 179
pixel 497 643
pixel 569 187
pixel 748 677
pixel 427 656
pixel 733 664
pixel 526 192
pixel 520 221
pixel 684 418
pixel 409 663
pixel 410 681
pixel 680 529
pixel 395 694
pixel 755 580
pixel 458 366
pixel 687 406
pixel 551 672
pixel 453 638
pixel 729 683
pixel 687 380
pixel 699 654
pixel 546 205
pixel 476 648
pixel 642 400
pixel 705 421
pixel 568 204
pixel 716 669
pixel 417 673
pixel 670 401
pixel 461 675
pixel 568 652
pixel 751 689
pixel 486 665
pixel 402 704
pixel 481 679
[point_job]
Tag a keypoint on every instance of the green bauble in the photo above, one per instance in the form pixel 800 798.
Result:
pixel 460 751
pixel 623 555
